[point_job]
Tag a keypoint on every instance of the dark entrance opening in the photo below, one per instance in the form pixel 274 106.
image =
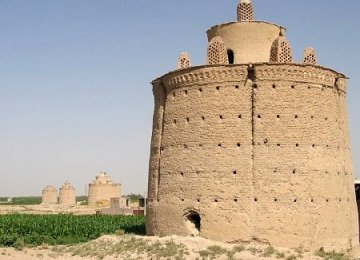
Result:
pixel 193 220
pixel 357 193
pixel 230 55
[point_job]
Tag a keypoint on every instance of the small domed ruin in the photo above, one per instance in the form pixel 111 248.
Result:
pixel 252 146
pixel 67 195
pixel 102 189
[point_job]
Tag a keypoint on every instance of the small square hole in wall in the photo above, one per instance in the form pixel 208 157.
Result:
pixel 255 199
pixel 182 174
pixel 186 92
pixel 292 86
pixel 198 200
pixel 217 88
pixel 295 200
pixel 174 94
pixel 203 118
pixel 200 90
pixel 259 116
pixel 237 87
pixel 235 200
pixel 239 116
pixel 234 172
pixel 255 86
pixel 238 144
pixel 216 200
pixel 188 120
pixel 312 200
pixel 275 199
pixel 273 86
pixel 296 116
pixel 278 116
pixel 297 145
pixel 221 117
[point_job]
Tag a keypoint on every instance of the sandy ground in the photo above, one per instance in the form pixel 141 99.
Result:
pixel 131 247
pixel 46 209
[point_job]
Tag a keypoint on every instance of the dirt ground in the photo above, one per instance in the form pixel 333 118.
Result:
pixel 131 247
pixel 46 209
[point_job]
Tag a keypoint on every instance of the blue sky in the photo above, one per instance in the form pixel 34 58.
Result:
pixel 75 97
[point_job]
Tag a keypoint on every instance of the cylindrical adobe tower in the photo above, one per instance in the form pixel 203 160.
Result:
pixel 252 146
pixel 49 195
pixel 67 195
pixel 103 189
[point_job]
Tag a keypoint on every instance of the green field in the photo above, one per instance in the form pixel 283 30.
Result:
pixel 21 229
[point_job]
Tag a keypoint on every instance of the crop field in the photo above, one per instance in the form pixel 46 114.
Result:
pixel 31 230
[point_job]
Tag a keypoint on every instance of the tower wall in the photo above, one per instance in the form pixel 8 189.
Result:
pixel 49 196
pixel 250 41
pixel 67 196
pixel 261 154
pixel 101 192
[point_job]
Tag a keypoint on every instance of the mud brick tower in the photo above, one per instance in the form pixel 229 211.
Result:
pixel 252 146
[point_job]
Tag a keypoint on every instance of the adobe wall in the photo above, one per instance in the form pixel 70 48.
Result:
pixel 103 192
pixel 49 195
pixel 67 195
pixel 263 155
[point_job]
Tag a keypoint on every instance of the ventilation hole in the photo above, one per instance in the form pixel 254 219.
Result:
pixel 326 118
pixel 235 200
pixel 188 119
pixel 186 92
pixel 327 200
pixel 175 121
pixel 275 199
pixel 278 116
pixel 239 116
pixel 255 86
pixel 294 171
pixel 273 86
pixel 278 144
pixel 309 87
pixel 238 144
pixel 234 172
pixel 295 200
pixel 200 90
pixel 296 116
pixel 255 199
pixel 185 146
pixel 339 200
pixel 312 117
pixel 313 145
pixel 266 141
pixel 221 117
pixel 312 200
pixel 217 88
pixel 237 87
pixel 182 199
pixel 259 116
pixel 198 200
pixel 174 94
pixel 220 145
pixel 203 118
pixel 216 200
pixel 181 173
pixel 200 145
pixel 292 86
pixel 297 145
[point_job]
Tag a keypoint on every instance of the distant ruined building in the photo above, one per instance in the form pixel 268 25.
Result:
pixel 49 195
pixel 102 190
pixel 252 146
pixel 67 195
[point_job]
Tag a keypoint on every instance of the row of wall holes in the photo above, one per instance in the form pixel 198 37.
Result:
pixel 275 171
pixel 201 90
pixel 221 117
pixel 203 119
pixel 275 200
pixel 238 87
pixel 239 145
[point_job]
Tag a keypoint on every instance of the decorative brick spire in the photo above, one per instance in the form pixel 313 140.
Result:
pixel 245 11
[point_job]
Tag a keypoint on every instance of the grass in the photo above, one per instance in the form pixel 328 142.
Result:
pixel 332 255
pixel 126 247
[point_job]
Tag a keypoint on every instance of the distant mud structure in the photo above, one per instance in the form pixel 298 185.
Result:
pixel 252 146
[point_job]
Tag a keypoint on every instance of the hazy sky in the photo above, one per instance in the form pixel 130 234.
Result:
pixel 75 97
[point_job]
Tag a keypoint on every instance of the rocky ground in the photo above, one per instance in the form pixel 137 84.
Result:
pixel 131 247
